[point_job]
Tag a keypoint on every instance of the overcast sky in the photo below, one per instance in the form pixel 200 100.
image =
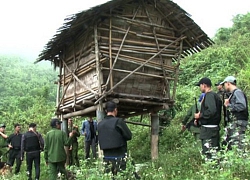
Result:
pixel 27 25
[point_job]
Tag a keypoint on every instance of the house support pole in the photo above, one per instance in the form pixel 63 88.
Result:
pixel 154 135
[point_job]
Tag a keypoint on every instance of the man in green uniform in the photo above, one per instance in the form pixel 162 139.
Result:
pixel 3 144
pixel 54 150
pixel 73 150
pixel 188 122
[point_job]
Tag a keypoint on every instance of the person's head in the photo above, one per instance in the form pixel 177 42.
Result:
pixel 2 127
pixel 32 127
pixel 17 127
pixel 229 83
pixel 90 119
pixel 219 86
pixel 70 121
pixel 111 108
pixel 204 84
pixel 55 123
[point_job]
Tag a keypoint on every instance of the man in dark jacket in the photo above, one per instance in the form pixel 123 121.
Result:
pixel 32 144
pixel 209 118
pixel 113 135
pixel 14 143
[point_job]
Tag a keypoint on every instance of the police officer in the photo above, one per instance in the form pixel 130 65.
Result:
pixel 32 144
pixel 14 142
pixel 113 134
pixel 73 150
pixel 3 144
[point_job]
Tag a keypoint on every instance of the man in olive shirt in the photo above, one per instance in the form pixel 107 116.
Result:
pixel 3 144
pixel 73 150
pixel 54 151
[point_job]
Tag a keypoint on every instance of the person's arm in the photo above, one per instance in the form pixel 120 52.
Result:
pixel 83 128
pixel 22 146
pixel 76 131
pixel 41 141
pixel 240 102
pixel 126 133
pixel 46 145
pixel 4 135
pixel 188 115
pixel 209 107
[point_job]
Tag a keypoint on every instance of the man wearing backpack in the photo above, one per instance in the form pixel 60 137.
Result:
pixel 238 108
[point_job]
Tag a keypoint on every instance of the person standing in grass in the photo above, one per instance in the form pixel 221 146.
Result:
pixel 113 134
pixel 32 144
pixel 209 118
pixel 237 105
pixel 14 143
pixel 3 144
pixel 54 150
pixel 89 129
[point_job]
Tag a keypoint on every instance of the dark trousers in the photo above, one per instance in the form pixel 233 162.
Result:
pixel 210 139
pixel 30 158
pixel 91 143
pixel 114 165
pixel 15 154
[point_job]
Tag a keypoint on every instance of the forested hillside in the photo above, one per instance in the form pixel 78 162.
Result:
pixel 27 93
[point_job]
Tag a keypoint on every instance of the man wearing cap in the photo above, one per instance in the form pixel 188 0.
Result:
pixel 113 134
pixel 54 150
pixel 14 143
pixel 32 144
pixel 73 150
pixel 188 121
pixel 238 107
pixel 89 129
pixel 209 118
pixel 3 144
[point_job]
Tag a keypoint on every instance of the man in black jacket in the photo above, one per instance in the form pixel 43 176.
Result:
pixel 32 144
pixel 113 135
pixel 209 118
pixel 14 143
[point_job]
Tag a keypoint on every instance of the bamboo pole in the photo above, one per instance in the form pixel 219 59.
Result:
pixel 123 40
pixel 141 124
pixel 110 50
pixel 177 72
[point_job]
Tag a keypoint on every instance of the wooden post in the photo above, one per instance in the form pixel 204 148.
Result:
pixel 154 135
pixel 99 110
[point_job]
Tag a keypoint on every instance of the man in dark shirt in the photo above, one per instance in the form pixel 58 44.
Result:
pixel 89 129
pixel 14 142
pixel 209 118
pixel 238 107
pixel 32 144
pixel 113 134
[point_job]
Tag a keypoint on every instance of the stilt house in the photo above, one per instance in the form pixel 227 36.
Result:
pixel 127 50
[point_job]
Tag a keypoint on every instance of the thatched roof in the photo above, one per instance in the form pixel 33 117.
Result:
pixel 179 19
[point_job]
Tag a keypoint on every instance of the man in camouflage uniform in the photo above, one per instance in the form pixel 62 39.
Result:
pixel 188 121
pixel 3 144
pixel 73 150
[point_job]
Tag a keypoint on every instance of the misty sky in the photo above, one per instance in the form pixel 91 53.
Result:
pixel 27 25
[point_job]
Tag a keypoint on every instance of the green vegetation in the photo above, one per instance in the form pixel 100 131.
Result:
pixel 28 95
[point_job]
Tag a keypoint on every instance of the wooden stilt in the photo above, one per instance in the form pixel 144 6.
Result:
pixel 154 135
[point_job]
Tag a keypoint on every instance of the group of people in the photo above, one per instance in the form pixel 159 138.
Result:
pixel 61 148
pixel 205 122
pixel 13 147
